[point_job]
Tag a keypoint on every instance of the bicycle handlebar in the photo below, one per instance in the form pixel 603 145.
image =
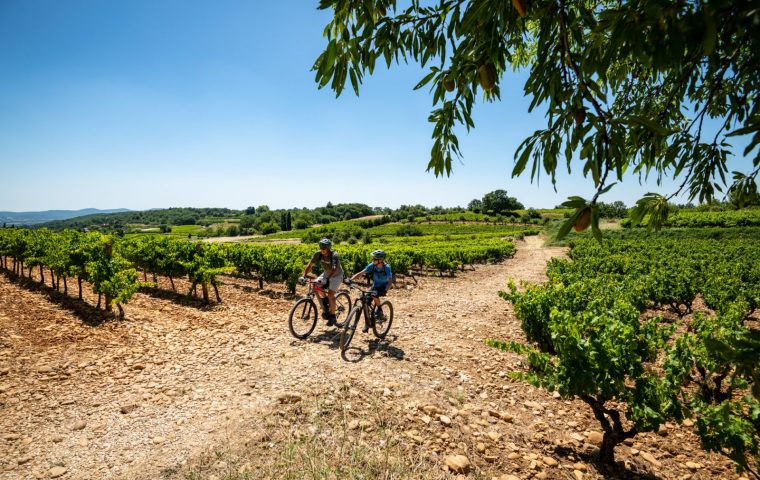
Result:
pixel 305 280
pixel 352 284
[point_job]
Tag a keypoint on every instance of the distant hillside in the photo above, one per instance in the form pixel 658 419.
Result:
pixel 32 218
pixel 155 217
pixel 213 221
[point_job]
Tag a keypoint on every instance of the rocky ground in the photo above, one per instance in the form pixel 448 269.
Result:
pixel 152 395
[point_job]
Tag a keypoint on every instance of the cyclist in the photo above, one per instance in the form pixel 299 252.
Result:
pixel 381 277
pixel 331 278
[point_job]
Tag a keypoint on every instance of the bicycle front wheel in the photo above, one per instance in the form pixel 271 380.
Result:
pixel 303 318
pixel 342 308
pixel 349 328
pixel 382 323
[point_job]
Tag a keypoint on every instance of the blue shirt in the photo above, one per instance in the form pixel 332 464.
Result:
pixel 380 276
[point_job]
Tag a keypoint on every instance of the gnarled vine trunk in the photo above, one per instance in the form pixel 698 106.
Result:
pixel 204 288
pixel 614 433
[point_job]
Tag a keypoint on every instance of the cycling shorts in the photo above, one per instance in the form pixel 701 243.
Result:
pixel 334 282
pixel 379 291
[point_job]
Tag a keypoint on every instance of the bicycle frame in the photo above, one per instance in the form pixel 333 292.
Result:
pixel 371 319
pixel 367 303
pixel 315 289
pixel 304 316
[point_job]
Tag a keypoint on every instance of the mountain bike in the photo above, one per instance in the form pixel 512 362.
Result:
pixel 303 315
pixel 365 306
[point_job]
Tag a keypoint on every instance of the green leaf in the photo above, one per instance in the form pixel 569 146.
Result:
pixel 648 123
pixel 653 208
pixel 426 79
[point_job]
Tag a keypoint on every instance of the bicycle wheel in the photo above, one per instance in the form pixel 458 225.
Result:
pixel 382 324
pixel 342 308
pixel 349 328
pixel 302 318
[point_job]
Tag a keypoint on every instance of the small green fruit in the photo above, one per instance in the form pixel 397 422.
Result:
pixel 487 76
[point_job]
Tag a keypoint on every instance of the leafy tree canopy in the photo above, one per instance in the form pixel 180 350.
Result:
pixel 653 87
pixel 498 201
pixel 475 205
pixel 615 209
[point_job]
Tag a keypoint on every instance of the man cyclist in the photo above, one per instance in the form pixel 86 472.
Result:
pixel 331 277
pixel 381 277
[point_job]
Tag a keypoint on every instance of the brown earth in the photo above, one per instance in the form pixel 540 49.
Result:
pixel 147 396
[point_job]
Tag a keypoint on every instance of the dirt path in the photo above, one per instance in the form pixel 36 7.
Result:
pixel 137 398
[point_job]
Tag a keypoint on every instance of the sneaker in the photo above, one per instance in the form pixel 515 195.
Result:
pixel 325 316
pixel 379 315
pixel 331 320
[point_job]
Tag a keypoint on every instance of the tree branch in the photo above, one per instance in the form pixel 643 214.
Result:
pixel 601 113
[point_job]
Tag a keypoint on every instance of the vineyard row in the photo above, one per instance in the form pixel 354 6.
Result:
pixel 111 263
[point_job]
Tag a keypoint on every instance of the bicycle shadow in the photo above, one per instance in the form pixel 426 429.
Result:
pixel 329 337
pixel 355 353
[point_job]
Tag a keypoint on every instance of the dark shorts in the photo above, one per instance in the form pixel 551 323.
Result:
pixel 379 291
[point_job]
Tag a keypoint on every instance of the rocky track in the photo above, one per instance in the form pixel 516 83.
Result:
pixel 137 398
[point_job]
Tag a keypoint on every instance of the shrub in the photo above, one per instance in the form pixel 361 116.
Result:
pixel 409 231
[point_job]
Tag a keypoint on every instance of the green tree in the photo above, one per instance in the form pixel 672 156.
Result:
pixel 498 201
pixel 300 223
pixel 247 221
pixel 286 222
pixel 654 87
pixel 475 206
pixel 269 227
pixel 616 209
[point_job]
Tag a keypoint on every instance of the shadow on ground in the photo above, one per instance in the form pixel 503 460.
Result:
pixel 355 353
pixel 619 471
pixel 88 314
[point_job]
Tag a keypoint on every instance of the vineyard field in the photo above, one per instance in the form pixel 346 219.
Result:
pixel 626 311
pixel 657 308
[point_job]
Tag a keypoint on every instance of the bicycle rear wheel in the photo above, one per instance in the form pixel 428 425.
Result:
pixel 382 324
pixel 349 328
pixel 342 308
pixel 303 318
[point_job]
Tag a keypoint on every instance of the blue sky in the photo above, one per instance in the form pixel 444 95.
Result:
pixel 153 104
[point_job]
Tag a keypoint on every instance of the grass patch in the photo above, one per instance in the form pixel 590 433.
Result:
pixel 186 229
pixel 317 439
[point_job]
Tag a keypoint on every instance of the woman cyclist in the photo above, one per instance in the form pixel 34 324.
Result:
pixel 381 277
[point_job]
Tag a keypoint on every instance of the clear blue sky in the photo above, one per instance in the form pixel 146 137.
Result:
pixel 151 104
